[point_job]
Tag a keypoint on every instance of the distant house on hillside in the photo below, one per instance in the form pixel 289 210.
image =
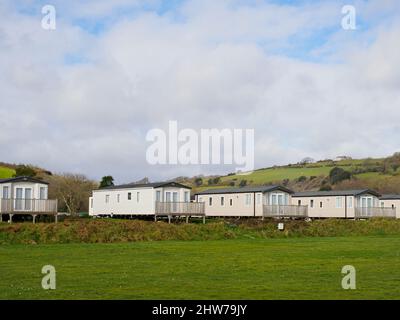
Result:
pixel 307 160
pixel 25 196
pixel 340 158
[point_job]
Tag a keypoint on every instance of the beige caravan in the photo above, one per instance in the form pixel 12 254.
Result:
pixel 342 204
pixel 391 201
pixel 261 201
pixel 25 196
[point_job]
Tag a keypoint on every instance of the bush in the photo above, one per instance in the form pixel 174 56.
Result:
pixel 113 230
pixel 301 179
pixel 25 171
pixel 198 182
pixel 338 174
pixel 325 187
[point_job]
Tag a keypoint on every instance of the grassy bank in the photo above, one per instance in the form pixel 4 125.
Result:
pixel 111 231
pixel 296 268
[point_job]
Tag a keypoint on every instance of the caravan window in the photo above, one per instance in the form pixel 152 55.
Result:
pixel 350 202
pixel 187 196
pixel 42 193
pixel 5 193
pixel 338 202
pixel 248 199
pixel 279 199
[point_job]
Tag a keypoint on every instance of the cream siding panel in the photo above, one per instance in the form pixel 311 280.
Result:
pixel 239 206
pixel 389 203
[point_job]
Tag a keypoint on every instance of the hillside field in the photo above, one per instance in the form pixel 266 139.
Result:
pixel 296 268
pixel 280 173
pixel 367 172
pixel 6 172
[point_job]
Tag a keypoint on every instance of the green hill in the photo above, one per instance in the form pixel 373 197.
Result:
pixel 6 172
pixel 382 174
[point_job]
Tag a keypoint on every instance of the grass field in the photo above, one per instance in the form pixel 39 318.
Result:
pixel 275 174
pixel 296 268
pixel 6 172
pixel 278 174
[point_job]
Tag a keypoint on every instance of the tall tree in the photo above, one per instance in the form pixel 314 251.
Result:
pixel 72 191
pixel 106 181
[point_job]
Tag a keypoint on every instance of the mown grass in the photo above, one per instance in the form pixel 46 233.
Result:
pixel 6 172
pixel 111 231
pixel 295 268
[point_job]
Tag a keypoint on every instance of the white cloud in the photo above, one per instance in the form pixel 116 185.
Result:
pixel 218 65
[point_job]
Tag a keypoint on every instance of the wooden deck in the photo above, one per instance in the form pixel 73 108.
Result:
pixel 285 211
pixel 33 207
pixel 180 209
pixel 375 212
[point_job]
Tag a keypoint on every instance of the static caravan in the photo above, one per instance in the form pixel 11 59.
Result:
pixel 249 202
pixel 391 201
pixel 163 198
pixel 342 204
pixel 25 196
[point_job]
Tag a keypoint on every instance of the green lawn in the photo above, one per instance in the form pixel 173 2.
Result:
pixel 6 172
pixel 296 268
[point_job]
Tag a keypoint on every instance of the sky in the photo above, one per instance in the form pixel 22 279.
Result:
pixel 82 98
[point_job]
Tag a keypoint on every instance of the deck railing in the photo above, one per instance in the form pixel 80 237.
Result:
pixel 285 211
pixel 28 206
pixel 180 208
pixel 372 212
